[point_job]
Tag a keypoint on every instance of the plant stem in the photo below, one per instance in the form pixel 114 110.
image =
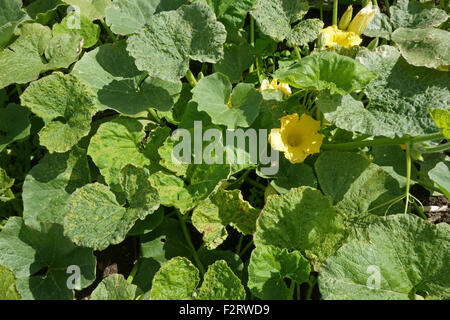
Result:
pixel 388 7
pixel 187 236
pixel 247 246
pixel 442 147
pixel 108 30
pixel 335 12
pixel 297 53
pixel 252 38
pixel 291 290
pixel 381 142
pixel 408 174
pixel 154 115
pixel 419 210
pixel 255 183
pixel 190 78
pixel 312 282
pixel 298 291
pixel 239 245
pixel 19 89
pixel 133 272
pixel 429 186
pixel 375 3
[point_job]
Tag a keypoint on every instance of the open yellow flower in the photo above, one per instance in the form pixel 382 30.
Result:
pixel 274 84
pixel 297 137
pixel 332 36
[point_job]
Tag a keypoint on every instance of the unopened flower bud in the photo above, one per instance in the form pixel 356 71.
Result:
pixel 346 18
pixel 362 19
pixel 373 44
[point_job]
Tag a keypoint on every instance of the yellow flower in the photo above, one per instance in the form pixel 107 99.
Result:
pixel 297 138
pixel 283 86
pixel 362 19
pixel 332 36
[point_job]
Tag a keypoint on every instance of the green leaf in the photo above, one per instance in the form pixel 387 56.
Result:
pixel 8 281
pixel 164 243
pixel 305 32
pixel 172 191
pixel 49 184
pixel 14 124
pixel 208 257
pixel 379 26
pixel 40 259
pixel 165 45
pixel 10 17
pixel 88 30
pixel 93 9
pixel 220 283
pixel 147 225
pixel 95 219
pixel 413 14
pixel 301 220
pixel 176 280
pixel 327 70
pixel 115 287
pixel 268 268
pixel 354 185
pixel 231 13
pixel 117 143
pixel 110 72
pixel 392 159
pixel 402 94
pixel 128 16
pixel 166 152
pixel 36 51
pixel 402 257
pixel 237 58
pixel 66 105
pixel 142 198
pixel 44 11
pixel 440 175
pixel 442 120
pixel 424 47
pixel 274 17
pixel 204 178
pixel 347 113
pixel 237 108
pixel 291 176
pixel 224 208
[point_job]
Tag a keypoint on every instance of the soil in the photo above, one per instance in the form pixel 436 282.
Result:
pixel 118 258
pixel 427 199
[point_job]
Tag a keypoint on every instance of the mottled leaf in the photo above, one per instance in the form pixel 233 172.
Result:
pixel 424 47
pixel 66 105
pixel 401 95
pixel 270 266
pixel 403 257
pixel 414 14
pixel 176 280
pixel 302 220
pixel 128 16
pixel 114 287
pixel 165 45
pixel 36 51
pixel 220 283
pixel 40 259
pixel 49 184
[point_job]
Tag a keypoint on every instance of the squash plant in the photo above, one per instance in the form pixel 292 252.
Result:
pixel 220 149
